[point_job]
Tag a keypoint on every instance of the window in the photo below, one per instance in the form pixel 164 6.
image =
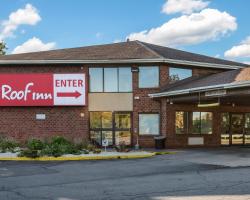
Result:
pixel 110 79
pixel 149 124
pixel 176 74
pixel 206 123
pixel 225 123
pixel 181 122
pixel 101 127
pixel 148 77
pixel 96 79
pixel 125 79
pixel 100 120
pixel 194 122
pixel 114 127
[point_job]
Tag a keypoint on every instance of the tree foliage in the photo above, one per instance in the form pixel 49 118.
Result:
pixel 3 48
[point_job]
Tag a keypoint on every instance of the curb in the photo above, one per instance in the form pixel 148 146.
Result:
pixel 76 158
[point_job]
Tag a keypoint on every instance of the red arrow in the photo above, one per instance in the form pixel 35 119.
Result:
pixel 75 94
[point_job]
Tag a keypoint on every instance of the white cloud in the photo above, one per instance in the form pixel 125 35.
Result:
pixel 32 45
pixel 239 51
pixel 183 6
pixel 23 16
pixel 209 24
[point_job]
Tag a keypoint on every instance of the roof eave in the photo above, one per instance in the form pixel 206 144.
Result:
pixel 201 89
pixel 122 61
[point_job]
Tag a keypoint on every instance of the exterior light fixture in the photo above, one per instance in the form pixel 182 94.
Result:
pixel 208 105
pixel 135 69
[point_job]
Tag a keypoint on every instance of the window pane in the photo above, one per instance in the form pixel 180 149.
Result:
pixel 122 120
pixel 206 122
pixel 149 124
pixel 179 122
pixel 107 120
pixel 176 74
pixel 95 119
pixel 148 77
pixel 107 135
pixel 110 80
pixel 125 79
pixel 225 123
pixel 225 129
pixel 122 137
pixel 95 137
pixel 196 122
pixel 96 79
pixel 247 128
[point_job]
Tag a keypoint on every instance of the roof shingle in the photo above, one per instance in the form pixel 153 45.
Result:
pixel 118 51
pixel 228 77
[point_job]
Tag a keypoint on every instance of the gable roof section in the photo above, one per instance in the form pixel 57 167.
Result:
pixel 229 79
pixel 116 51
pixel 124 52
pixel 175 54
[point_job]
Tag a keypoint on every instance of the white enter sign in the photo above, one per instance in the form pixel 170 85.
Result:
pixel 69 89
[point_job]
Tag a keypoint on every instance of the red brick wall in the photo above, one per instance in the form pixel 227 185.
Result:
pixel 181 140
pixel 147 105
pixel 20 122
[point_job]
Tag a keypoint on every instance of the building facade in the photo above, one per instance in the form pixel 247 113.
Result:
pixel 133 91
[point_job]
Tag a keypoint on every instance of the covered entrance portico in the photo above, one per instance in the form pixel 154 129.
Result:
pixel 208 111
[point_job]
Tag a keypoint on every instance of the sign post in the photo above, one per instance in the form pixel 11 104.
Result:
pixel 105 143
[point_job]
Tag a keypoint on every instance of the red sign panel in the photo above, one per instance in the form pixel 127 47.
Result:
pixel 42 89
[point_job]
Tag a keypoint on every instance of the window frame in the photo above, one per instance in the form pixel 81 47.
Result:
pixel 158 81
pixel 189 130
pixel 159 123
pixel 181 68
pixel 118 80
pixel 113 129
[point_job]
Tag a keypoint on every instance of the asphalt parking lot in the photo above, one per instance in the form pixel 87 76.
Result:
pixel 189 174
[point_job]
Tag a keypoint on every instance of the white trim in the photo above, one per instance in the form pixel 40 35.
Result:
pixel 202 89
pixel 158 60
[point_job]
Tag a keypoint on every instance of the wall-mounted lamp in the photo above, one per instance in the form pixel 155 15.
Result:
pixel 135 69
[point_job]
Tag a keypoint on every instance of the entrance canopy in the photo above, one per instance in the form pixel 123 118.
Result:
pixel 230 87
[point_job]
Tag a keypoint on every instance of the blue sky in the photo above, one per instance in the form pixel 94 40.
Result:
pixel 65 23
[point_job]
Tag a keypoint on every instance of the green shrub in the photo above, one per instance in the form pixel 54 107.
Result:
pixel 59 140
pixel 60 146
pixel 8 146
pixel 35 144
pixel 91 147
pixel 29 153
pixel 97 151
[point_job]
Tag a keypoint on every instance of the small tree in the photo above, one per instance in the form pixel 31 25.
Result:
pixel 3 48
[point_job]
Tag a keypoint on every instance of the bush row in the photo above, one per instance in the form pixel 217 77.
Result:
pixel 58 146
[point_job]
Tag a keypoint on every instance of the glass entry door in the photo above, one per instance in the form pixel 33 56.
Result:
pixel 112 126
pixel 237 129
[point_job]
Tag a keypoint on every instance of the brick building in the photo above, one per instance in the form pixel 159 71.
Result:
pixel 133 92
